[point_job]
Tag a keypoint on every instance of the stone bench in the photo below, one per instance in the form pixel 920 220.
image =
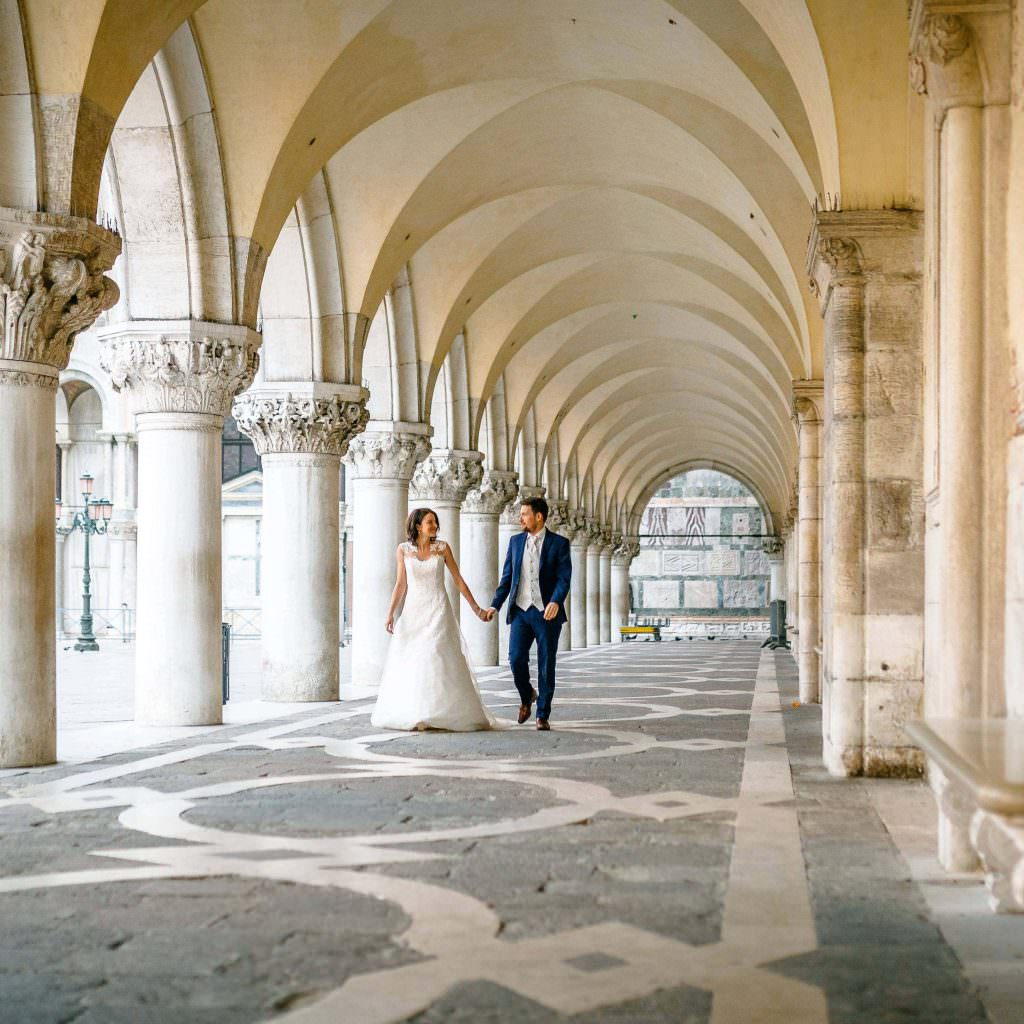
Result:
pixel 980 788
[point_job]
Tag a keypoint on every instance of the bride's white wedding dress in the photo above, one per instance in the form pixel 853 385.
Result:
pixel 427 681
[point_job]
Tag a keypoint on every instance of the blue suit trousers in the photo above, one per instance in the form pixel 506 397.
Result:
pixel 526 627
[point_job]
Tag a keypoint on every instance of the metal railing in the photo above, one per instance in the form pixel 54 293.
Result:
pixel 244 622
pixel 107 623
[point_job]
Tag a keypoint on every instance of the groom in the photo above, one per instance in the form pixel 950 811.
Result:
pixel 537 573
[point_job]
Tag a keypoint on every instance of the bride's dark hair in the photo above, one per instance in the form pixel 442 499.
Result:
pixel 416 516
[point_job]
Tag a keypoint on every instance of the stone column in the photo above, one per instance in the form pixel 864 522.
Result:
pixel 480 510
pixel 558 522
pixel 301 430
pixel 961 54
pixel 866 266
pixel 578 590
pixel 775 549
pixel 51 288
pixel 622 558
pixel 595 542
pixel 610 541
pixel 382 462
pixel 807 404
pixel 442 481
pixel 508 527
pixel 122 533
pixel 180 378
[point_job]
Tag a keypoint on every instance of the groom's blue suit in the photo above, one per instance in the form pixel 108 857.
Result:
pixel 529 625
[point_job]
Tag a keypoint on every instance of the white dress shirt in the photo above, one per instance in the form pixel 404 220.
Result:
pixel 528 594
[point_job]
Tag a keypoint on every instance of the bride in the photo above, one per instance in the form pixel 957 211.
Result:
pixel 427 682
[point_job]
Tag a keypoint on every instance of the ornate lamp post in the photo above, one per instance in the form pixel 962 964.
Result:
pixel 93 518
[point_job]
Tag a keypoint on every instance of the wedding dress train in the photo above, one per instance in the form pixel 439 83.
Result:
pixel 427 682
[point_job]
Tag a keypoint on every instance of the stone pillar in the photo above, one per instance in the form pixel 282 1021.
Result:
pixel 775 549
pixel 480 510
pixel 508 527
pixel 610 542
pixel 807 404
pixel 382 462
pixel 622 558
pixel 301 430
pixel 558 522
pixel 578 589
pixel 594 544
pixel 867 266
pixel 180 378
pixel 961 55
pixel 442 481
pixel 51 288
pixel 122 532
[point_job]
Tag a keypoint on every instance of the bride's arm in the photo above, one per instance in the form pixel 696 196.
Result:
pixel 401 585
pixel 464 590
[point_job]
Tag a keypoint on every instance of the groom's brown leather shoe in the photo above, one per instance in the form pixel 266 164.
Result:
pixel 525 710
pixel 542 725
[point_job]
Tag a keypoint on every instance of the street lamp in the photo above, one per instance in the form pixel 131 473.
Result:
pixel 93 519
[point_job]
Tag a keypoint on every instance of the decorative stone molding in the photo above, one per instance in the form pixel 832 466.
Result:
pixel 307 424
pixel 52 286
pixel 187 368
pixel 387 454
pixel 558 512
pixel 15 375
pixel 774 548
pixel 625 550
pixel 944 37
pixel 492 494
pixel 594 531
pixel 510 515
pixel 808 400
pixel 447 475
pixel 576 527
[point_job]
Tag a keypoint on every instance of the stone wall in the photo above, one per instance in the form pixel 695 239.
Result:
pixel 701 556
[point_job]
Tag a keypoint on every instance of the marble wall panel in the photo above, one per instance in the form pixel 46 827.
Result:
pixel 661 594
pixel 683 563
pixel 700 594
pixel 755 563
pixel 647 563
pixel 724 562
pixel 741 594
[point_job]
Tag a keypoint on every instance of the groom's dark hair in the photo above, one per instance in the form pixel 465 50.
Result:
pixel 539 506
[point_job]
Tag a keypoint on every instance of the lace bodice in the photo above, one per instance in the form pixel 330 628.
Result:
pixel 437 547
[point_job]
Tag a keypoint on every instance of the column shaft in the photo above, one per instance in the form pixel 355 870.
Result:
pixel 809 569
pixel 479 567
pixel 605 613
pixel 594 594
pixel 578 595
pixel 178 636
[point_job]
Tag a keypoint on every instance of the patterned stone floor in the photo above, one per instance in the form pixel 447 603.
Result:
pixel 671 851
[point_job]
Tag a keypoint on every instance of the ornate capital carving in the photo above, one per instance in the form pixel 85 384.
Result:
pixel 625 551
pixel 944 37
pixel 558 512
pixel 447 475
pixel 594 530
pixel 576 527
pixel 307 424
pixel 492 494
pixel 510 515
pixel 808 400
pixel 386 454
pixel 774 548
pixel 944 61
pixel 52 284
pixel 19 375
pixel 198 371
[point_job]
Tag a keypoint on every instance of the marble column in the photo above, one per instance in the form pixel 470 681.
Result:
pixel 122 532
pixel 442 481
pixel 508 527
pixel 578 590
pixel 480 510
pixel 301 430
pixel 595 542
pixel 180 378
pixel 610 542
pixel 775 550
pixel 51 288
pixel 381 461
pixel 558 522
pixel 866 266
pixel 961 61
pixel 622 558
pixel 808 398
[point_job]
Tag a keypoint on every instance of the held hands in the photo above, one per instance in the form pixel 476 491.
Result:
pixel 485 614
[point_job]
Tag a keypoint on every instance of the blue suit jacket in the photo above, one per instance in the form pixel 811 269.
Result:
pixel 555 574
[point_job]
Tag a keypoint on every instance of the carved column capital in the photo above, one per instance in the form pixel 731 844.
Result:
pixel 510 515
pixel 184 366
pixel 52 286
pixel 492 493
pixel 558 512
pixel 774 548
pixel 808 400
pixel 447 475
pixel 625 551
pixel 576 527
pixel 317 422
pixel 383 454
